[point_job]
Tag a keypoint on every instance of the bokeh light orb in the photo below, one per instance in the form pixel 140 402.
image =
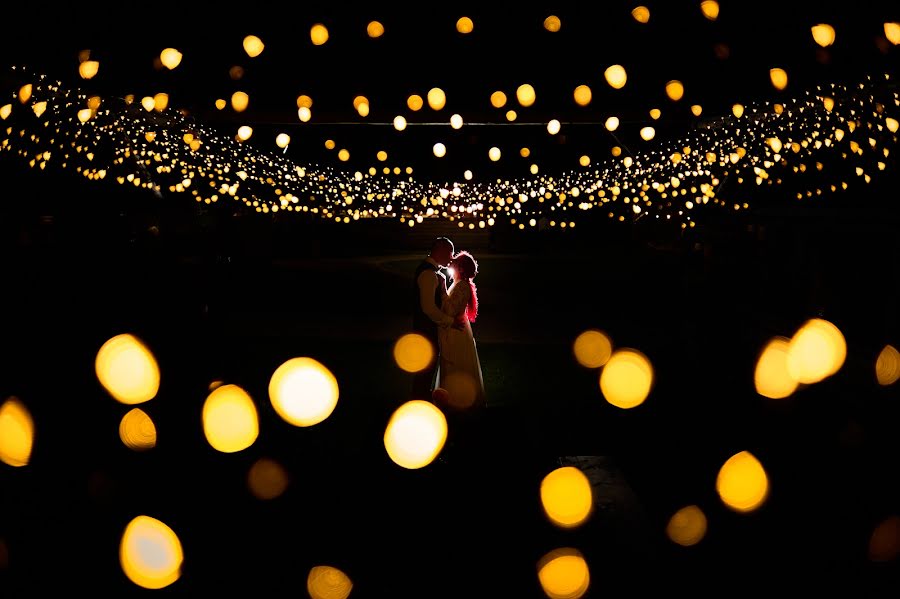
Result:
pixel 816 351
pixel 230 420
pixel 566 497
pixel 465 25
pixel 303 391
pixel 318 34
pixel 415 434
pixel 687 526
pixel 137 431
pixel 16 433
pixel 563 574
pixel 627 378
pixel 526 95
pixel 413 352
pixel 267 479
pixel 592 348
pixel 328 582
pixel 742 483
pixel 616 76
pixel 772 378
pixel 150 553
pixel 127 369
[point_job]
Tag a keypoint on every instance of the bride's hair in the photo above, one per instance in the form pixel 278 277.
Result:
pixel 467 268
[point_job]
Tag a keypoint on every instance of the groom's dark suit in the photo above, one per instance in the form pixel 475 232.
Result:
pixel 424 380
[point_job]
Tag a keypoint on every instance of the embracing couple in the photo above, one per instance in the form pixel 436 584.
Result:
pixel 444 315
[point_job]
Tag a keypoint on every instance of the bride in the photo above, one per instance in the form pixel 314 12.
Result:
pixel 460 369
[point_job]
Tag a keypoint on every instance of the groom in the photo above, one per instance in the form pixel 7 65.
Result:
pixel 428 291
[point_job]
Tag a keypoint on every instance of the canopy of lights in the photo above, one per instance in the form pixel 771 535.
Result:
pixel 821 140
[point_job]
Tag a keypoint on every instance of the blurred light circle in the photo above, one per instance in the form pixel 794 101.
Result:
pixel 465 25
pixel 230 420
pixel 415 434
pixel 267 479
pixel 592 348
pixel 567 497
pixel 816 351
pixel 742 483
pixel 318 34
pixel 413 352
pixel 16 433
pixel 150 553
pixel 303 391
pixel 771 377
pixel 564 574
pixel 127 369
pixel 615 76
pixel 627 378
pixel 687 526
pixel 137 431
pixel 327 582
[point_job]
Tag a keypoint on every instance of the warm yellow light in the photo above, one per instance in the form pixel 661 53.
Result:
pixel 374 29
pixel 592 348
pixel 494 154
pixel 627 378
pixel 304 101
pixel 710 9
pixel 343 155
pixel 436 98
pixel 38 108
pixel 127 369
pixel 823 34
pixel 616 76
pixel 239 101
pixel 816 351
pixel 381 155
pixel 641 14
pixel 439 149
pixel 137 431
pixel 524 152
pixel 675 90
pixel 771 377
pixel 465 25
pixel 327 582
pixel 696 110
pixel 88 69
pixel 16 433
pixel 160 102
pixel 655 113
pixel 25 93
pixel 303 391
pixel 244 132
pixel 648 133
pixel 616 151
pixel 5 111
pixel 887 366
pixel 415 434
pixel 525 94
pixel 779 78
pixel 892 32
pixel 584 160
pixel 612 123
pixel 737 110
pixel 553 127
pixel 567 497
pixel 253 46
pixel 552 23
pixel 742 483
pixel 230 420
pixel 511 115
pixel 399 123
pixel 329 144
pixel 564 574
pixel 282 140
pixel 775 144
pixel 456 121
pixel 86 114
pixel 415 102
pixel 221 104
pixel 687 526
pixel 582 95
pixel 318 33
pixel 304 114
pixel 891 124
pixel 150 553
pixel 267 479
pixel 498 99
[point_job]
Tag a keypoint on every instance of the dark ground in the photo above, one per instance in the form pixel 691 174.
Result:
pixel 231 304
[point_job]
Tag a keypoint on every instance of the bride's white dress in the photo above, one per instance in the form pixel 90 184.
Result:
pixel 460 368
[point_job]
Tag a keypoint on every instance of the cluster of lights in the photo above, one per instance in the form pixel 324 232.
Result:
pixel 147 144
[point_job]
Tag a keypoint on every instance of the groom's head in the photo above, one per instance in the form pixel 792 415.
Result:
pixel 442 251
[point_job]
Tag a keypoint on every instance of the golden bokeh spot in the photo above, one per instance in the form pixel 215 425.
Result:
pixel 742 483
pixel 5 111
pixel 511 115
pixel 772 378
pixel 253 46
pixel 437 99
pixel 582 95
pixel 38 108
pixel 439 150
pixel 616 76
pixel 282 140
pixel 137 431
pixel 88 69
pixel 239 101
pixel 887 366
pixel 150 553
pixel 329 144
pixel 461 391
pixel 170 58
pixel 687 526
pixel 494 154
pixel 127 369
pixel 303 391
pixel 648 133
pixel 327 582
pixel 524 152
pixel 318 34
pixel 675 90
pixel 415 434
pixel 413 352
pixel 498 99
pixel 564 574
pixel 221 104
pixel 823 34
pixel 592 348
pixel 399 123
pixel 230 420
pixel 710 9
pixel 884 544
pixel 304 101
pixel 526 95
pixel 456 121
pixel 343 155
pixel 696 109
pixel 25 93
pixel 552 23
pixel 627 378
pixel 737 110
pixel 465 25
pixel 553 127
pixel 267 479
pixel 16 433
pixel 641 14
pixel 655 113
pixel 892 32
pixel 160 102
pixel 816 351
pixel 374 29
pixel 584 160
pixel 381 155
pixel 892 124
pixel 779 78
pixel 566 497
pixel 244 132
pixel 612 123
pixel 415 102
